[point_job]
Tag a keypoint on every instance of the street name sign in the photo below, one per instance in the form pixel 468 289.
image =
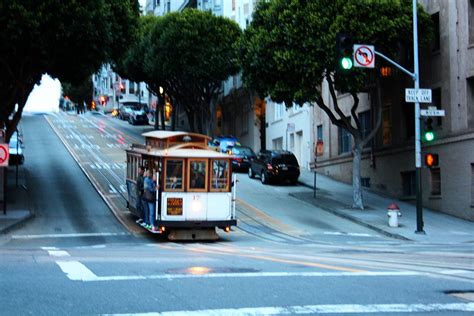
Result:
pixel 4 152
pixel 364 56
pixel 432 111
pixel 420 95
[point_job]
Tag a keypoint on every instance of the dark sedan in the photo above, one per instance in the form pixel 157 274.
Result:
pixel 242 155
pixel 275 165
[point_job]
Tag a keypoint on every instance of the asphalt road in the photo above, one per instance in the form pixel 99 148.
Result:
pixel 76 258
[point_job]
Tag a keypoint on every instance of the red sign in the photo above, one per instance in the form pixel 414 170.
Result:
pixel 4 153
pixel 319 148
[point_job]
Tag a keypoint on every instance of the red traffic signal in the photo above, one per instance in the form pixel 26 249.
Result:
pixel 431 160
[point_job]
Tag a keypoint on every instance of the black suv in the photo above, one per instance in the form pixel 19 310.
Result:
pixel 275 165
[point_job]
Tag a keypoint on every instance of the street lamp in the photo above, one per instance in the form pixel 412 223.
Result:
pixel 158 105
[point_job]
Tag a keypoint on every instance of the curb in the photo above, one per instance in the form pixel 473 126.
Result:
pixel 17 224
pixel 352 218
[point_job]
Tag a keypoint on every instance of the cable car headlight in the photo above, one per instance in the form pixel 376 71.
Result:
pixel 196 206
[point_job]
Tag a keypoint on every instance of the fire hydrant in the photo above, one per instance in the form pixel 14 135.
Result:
pixel 393 214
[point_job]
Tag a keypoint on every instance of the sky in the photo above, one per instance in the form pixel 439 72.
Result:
pixel 45 97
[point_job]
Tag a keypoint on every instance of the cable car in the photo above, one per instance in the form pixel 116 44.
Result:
pixel 196 188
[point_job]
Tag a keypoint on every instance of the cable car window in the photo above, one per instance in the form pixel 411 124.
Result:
pixel 198 174
pixel 220 175
pixel 174 174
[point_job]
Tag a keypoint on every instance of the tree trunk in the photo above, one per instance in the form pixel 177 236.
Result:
pixel 174 114
pixel 162 114
pixel 357 202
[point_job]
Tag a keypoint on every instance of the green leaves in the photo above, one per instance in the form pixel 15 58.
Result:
pixel 291 43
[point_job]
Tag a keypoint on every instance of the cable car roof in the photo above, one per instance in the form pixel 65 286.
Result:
pixel 180 152
pixel 169 134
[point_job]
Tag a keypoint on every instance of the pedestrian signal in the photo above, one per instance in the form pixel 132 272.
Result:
pixel 431 160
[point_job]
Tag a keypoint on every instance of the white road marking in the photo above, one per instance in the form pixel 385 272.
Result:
pixel 67 235
pixel 112 189
pixel 58 253
pixel 324 309
pixel 348 234
pixel 76 271
pixel 83 270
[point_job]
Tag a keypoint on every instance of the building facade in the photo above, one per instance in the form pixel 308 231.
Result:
pixel 110 90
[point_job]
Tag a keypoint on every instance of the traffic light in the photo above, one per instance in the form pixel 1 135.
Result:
pixel 102 100
pixel 344 50
pixel 122 88
pixel 431 160
pixel 428 133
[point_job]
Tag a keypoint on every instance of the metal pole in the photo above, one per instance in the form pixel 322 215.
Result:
pixel 5 190
pixel 419 201
pixel 17 143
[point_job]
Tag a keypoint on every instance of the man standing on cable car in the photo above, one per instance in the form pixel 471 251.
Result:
pixel 139 194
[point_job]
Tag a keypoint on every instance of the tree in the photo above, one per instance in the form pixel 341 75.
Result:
pixel 80 92
pixel 67 39
pixel 189 54
pixel 289 50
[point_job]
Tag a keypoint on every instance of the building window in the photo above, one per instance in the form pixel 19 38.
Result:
pixel 365 120
pixel 319 132
pixel 471 22
pixel 387 126
pixel 131 87
pixel 437 103
pixel 279 108
pixel 365 182
pixel 435 181
pixel 345 141
pixel 436 36
pixel 408 183
pixel 277 143
pixel 470 102
pixel 472 184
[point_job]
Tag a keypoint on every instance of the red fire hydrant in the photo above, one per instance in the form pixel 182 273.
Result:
pixel 393 214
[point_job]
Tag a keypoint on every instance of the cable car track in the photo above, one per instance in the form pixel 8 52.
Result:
pixel 249 224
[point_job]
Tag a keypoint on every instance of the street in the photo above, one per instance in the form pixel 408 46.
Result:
pixel 83 253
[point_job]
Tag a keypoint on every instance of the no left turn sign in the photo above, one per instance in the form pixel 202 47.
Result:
pixel 364 56
pixel 4 155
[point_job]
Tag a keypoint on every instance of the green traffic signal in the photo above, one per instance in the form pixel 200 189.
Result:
pixel 346 63
pixel 429 136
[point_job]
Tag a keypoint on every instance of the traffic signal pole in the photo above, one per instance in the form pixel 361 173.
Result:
pixel 416 78
pixel 419 201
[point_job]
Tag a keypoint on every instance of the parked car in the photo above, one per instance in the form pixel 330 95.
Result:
pixel 273 165
pixel 16 150
pixel 242 156
pixel 133 113
pixel 138 117
pixel 224 144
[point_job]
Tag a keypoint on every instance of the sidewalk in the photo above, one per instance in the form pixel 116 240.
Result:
pixel 336 197
pixel 17 201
